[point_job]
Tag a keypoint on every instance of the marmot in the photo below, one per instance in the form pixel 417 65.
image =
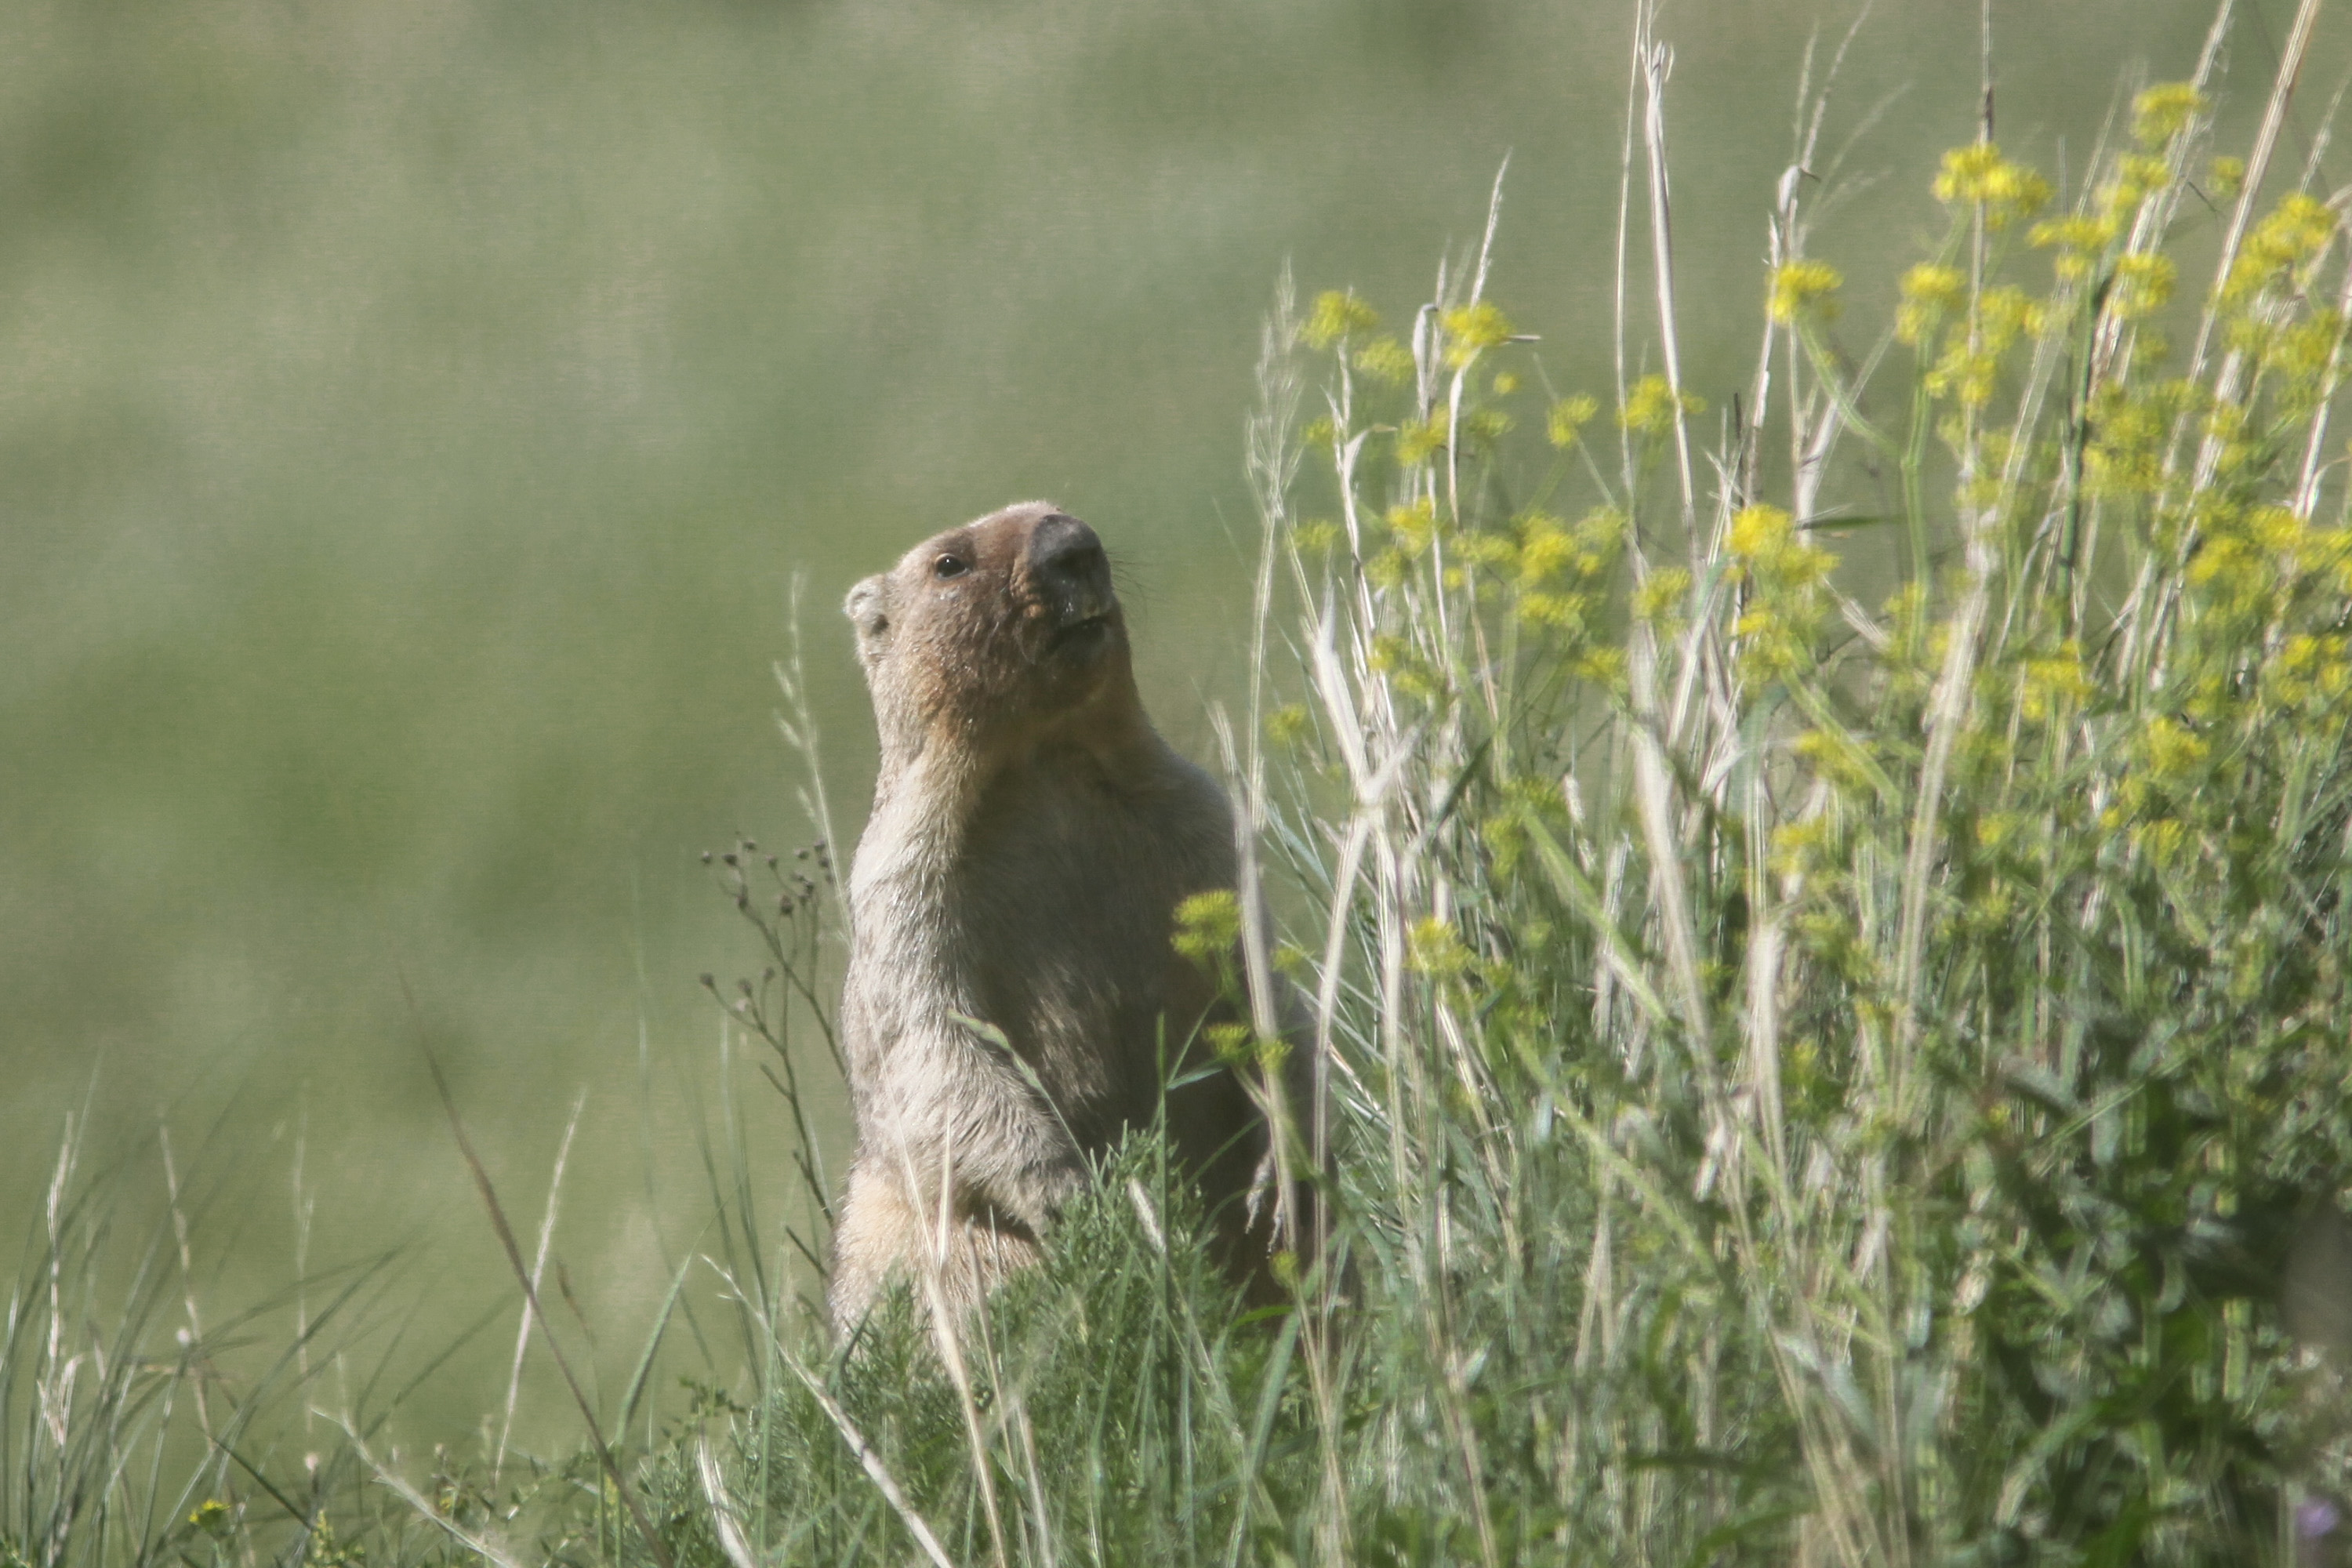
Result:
pixel 1029 840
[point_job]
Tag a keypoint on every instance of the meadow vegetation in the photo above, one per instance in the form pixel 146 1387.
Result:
pixel 1824 919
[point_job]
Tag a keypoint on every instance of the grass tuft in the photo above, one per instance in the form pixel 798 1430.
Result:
pixel 1825 931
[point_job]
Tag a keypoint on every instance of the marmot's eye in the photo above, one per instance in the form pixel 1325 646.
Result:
pixel 950 566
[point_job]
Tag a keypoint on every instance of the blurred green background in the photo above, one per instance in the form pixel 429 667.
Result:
pixel 412 416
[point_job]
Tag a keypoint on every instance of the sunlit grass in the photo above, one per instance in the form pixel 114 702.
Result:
pixel 1823 919
pixel 1829 938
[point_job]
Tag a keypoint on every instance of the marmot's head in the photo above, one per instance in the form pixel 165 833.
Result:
pixel 1002 625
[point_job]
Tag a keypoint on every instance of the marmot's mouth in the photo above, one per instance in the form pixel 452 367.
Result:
pixel 1083 637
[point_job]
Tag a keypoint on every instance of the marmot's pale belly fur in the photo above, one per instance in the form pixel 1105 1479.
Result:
pixel 1031 838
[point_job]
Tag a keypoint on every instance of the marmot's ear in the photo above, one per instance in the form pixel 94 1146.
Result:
pixel 869 608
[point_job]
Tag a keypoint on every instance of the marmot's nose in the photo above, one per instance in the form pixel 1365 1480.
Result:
pixel 1065 558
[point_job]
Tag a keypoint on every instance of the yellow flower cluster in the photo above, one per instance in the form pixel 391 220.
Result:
pixel 1601 667
pixel 1385 360
pixel 1413 525
pixel 1524 801
pixel 1837 758
pixel 2004 315
pixel 1569 415
pixel 1483 427
pixel 2300 353
pixel 1599 535
pixel 2054 683
pixel 2169 758
pixel 1786 573
pixel 1419 441
pixel 2309 669
pixel 2081 240
pixel 2280 247
pixel 1799 284
pixel 2128 431
pixel 1995 828
pixel 1563 612
pixel 1969 375
pixel 1471 331
pixel 1314 536
pixel 1655 601
pixel 1537 550
pixel 2169 750
pixel 1208 925
pixel 1238 1044
pixel 1763 541
pixel 1978 175
pixel 2248 562
pixel 1971 364
pixel 1433 947
pixel 2163 112
pixel 1650 406
pixel 1407 670
pixel 1544 548
pixel 1929 291
pixel 1797 847
pixel 2143 283
pixel 1338 314
pixel 1772 641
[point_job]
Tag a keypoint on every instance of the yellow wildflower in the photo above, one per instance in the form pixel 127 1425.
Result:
pixel 1208 925
pixel 2163 112
pixel 1544 548
pixel 1414 524
pixel 1419 441
pixel 1650 406
pixel 1434 948
pixel 2294 233
pixel 1385 360
pixel 1337 315
pixel 1568 415
pixel 2143 283
pixel 2081 240
pixel 1471 329
pixel 1656 600
pixel 1929 290
pixel 1797 284
pixel 1979 175
pixel 2170 750
pixel 1483 427
pixel 1561 611
pixel 2051 683
pixel 1602 667
pixel 1315 536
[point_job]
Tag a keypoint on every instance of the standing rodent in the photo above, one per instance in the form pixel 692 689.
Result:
pixel 1031 838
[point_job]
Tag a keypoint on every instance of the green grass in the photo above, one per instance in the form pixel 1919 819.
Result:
pixel 1825 917
pixel 1816 1078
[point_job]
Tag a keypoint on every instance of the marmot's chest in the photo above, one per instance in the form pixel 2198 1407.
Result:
pixel 1046 912
pixel 1074 874
pixel 1056 916
pixel 1062 925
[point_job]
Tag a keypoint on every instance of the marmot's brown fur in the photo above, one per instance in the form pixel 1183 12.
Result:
pixel 1031 838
